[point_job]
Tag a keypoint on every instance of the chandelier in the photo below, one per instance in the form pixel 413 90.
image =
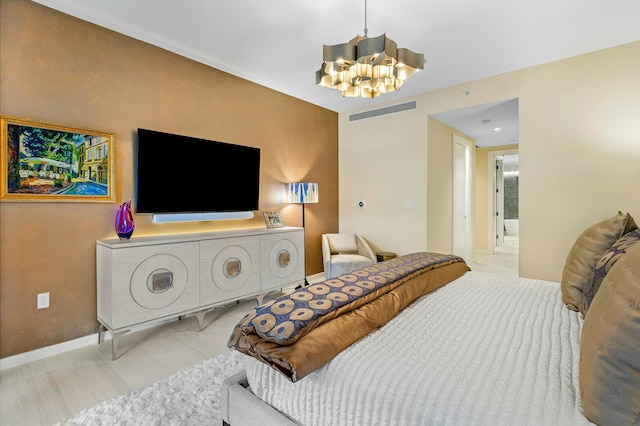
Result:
pixel 367 67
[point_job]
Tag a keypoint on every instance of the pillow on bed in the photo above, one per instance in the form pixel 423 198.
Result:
pixel 585 253
pixel 604 265
pixel 609 368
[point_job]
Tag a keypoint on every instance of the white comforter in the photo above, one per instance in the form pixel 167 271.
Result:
pixel 483 350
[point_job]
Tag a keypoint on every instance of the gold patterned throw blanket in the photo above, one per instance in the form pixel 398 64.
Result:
pixel 300 332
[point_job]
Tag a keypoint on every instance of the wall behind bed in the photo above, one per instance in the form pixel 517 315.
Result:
pixel 579 158
pixel 60 69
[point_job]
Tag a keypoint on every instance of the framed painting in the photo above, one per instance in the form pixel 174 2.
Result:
pixel 47 162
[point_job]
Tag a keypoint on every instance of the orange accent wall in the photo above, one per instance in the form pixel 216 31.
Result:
pixel 62 70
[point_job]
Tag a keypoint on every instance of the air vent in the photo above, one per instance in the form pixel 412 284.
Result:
pixel 383 111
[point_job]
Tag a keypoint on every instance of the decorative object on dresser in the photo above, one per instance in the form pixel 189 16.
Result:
pixel 124 221
pixel 148 279
pixel 272 219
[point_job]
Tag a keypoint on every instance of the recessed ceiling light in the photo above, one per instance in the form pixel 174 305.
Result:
pixel 497 129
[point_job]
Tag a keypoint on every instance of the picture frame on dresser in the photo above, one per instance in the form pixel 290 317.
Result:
pixel 272 219
pixel 49 162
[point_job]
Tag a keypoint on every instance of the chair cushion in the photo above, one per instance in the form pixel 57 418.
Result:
pixel 343 243
pixel 346 263
pixel 609 365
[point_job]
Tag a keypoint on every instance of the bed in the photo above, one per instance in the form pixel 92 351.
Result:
pixel 463 348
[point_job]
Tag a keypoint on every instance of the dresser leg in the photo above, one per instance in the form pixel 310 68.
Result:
pixel 101 330
pixel 200 317
pixel 115 338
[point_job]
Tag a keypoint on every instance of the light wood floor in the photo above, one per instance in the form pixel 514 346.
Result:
pixel 51 390
pixel 504 261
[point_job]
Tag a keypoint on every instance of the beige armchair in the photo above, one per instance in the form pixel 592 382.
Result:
pixel 344 253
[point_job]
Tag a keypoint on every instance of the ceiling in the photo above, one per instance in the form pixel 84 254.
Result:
pixel 494 124
pixel 278 43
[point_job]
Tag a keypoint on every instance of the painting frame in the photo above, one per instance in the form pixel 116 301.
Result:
pixel 272 219
pixel 46 162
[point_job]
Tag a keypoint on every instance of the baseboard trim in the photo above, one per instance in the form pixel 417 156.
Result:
pixel 37 354
pixel 69 345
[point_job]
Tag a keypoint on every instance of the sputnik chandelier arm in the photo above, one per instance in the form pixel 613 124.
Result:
pixel 367 67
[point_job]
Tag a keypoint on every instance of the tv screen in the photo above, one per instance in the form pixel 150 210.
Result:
pixel 181 174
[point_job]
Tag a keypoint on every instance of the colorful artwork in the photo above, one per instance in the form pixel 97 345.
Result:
pixel 44 162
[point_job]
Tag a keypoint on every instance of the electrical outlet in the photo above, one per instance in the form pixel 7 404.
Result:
pixel 43 300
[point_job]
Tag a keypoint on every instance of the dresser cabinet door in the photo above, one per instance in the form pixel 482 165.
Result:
pixel 282 259
pixel 229 269
pixel 151 282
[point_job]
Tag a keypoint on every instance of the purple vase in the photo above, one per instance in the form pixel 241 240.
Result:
pixel 124 221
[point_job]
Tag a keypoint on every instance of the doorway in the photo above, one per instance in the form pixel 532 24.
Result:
pixel 504 227
pixel 493 127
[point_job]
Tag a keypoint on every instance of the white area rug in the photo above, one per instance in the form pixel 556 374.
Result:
pixel 189 397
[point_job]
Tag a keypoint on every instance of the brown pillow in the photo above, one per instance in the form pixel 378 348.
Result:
pixel 585 253
pixel 604 265
pixel 609 369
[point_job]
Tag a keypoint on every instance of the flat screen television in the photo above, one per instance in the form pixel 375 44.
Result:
pixel 181 174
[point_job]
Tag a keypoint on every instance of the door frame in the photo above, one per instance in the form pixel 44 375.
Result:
pixel 491 200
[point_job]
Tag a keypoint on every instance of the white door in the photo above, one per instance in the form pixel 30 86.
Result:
pixel 461 198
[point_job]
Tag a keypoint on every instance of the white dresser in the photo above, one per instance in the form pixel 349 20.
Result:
pixel 155 278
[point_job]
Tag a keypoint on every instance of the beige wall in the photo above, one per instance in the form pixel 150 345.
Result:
pixel 579 157
pixel 384 168
pixel 65 71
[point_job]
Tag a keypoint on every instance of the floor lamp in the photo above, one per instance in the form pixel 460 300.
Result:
pixel 303 193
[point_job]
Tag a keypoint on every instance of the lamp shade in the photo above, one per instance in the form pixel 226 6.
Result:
pixel 303 192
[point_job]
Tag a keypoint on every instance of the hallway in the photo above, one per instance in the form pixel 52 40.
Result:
pixel 504 261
